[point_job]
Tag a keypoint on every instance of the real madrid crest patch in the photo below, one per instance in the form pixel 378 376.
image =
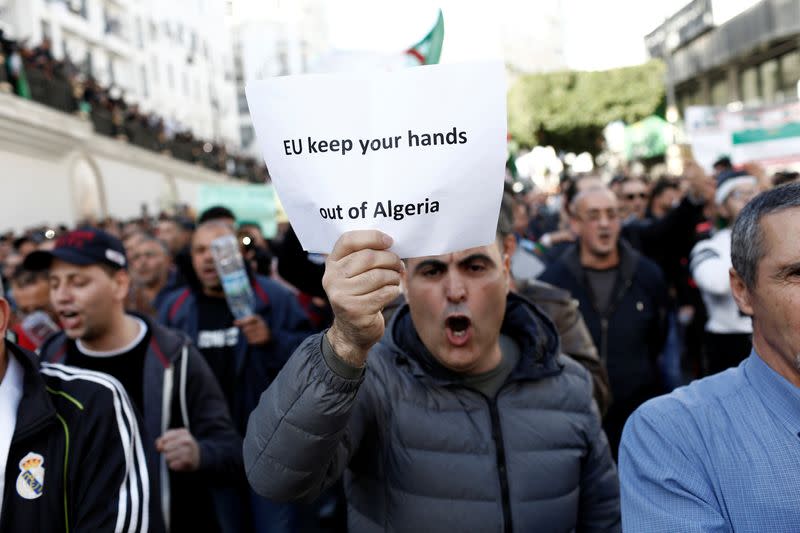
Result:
pixel 30 481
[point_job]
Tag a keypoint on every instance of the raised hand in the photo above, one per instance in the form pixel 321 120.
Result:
pixel 361 278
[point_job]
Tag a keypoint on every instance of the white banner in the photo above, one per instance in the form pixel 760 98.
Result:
pixel 417 153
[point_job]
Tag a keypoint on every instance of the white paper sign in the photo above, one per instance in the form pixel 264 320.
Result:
pixel 417 153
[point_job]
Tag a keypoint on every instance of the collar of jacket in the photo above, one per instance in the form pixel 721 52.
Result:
pixel 165 343
pixel 527 325
pixel 628 260
pixel 36 409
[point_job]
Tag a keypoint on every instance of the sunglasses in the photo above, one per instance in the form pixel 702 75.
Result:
pixel 633 196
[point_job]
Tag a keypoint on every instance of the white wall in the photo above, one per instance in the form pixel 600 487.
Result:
pixel 33 192
pixel 51 163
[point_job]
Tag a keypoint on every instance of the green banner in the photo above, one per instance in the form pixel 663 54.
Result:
pixel 757 135
pixel 251 203
pixel 647 138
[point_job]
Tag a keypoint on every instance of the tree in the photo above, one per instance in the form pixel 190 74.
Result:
pixel 569 109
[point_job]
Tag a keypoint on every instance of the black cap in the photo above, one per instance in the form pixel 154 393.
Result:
pixel 81 247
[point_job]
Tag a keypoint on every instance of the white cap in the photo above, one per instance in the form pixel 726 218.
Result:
pixel 726 187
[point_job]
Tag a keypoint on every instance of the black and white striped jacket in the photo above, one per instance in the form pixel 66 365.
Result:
pixel 85 468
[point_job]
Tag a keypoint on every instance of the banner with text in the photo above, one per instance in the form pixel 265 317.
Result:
pixel 765 134
pixel 418 154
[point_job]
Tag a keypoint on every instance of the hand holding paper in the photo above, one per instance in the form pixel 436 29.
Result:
pixel 361 278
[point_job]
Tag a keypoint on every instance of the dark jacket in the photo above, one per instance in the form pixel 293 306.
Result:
pixel 256 366
pixel 668 241
pixel 181 392
pixel 630 334
pixel 425 453
pixel 80 423
pixel 562 310
pixel 576 341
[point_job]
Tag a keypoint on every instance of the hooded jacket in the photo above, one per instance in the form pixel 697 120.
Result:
pixel 422 452
pixel 76 461
pixel 256 366
pixel 181 392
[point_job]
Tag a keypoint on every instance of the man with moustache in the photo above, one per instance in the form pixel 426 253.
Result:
pixel 464 417
pixel 623 298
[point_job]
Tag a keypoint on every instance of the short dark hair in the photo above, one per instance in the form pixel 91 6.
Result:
pixel 505 220
pixel 724 162
pixel 23 277
pixel 783 177
pixel 747 239
pixel 214 213
pixel 662 184
pixel 19 241
pixel 159 242
pixel 572 188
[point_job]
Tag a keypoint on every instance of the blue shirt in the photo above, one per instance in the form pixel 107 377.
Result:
pixel 721 454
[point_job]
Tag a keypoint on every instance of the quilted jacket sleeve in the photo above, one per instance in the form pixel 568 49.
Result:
pixel 307 425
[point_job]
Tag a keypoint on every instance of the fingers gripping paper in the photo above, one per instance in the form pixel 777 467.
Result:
pixel 418 154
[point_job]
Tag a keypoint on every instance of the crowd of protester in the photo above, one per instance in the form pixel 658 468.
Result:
pixel 619 293
pixel 34 73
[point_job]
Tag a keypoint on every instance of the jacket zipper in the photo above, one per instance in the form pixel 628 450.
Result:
pixel 502 473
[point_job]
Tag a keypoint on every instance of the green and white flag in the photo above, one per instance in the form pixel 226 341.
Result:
pixel 428 50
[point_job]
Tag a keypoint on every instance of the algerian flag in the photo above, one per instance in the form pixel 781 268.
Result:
pixel 428 50
pixel 388 56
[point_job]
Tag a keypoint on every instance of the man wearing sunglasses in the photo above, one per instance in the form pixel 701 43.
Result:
pixel 633 196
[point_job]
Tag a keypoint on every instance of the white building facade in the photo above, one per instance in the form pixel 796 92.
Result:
pixel 172 57
pixel 272 38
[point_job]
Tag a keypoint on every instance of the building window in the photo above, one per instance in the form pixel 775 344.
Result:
pixel 153 30
pixel 76 7
pixel 170 76
pixel 247 134
pixel 242 99
pixel 143 76
pixel 790 74
pixel 155 69
pixel 748 84
pixel 185 84
pixel 111 74
pixel 139 33
pixel 45 30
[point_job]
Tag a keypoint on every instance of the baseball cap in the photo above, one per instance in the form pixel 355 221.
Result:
pixel 81 247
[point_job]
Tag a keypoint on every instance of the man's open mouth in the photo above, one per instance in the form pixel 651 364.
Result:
pixel 458 329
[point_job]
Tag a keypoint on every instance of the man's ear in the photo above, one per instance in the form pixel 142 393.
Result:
pixel 741 293
pixel 574 225
pixel 122 284
pixel 509 245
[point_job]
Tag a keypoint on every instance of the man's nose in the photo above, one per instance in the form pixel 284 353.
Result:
pixel 455 289
pixel 59 294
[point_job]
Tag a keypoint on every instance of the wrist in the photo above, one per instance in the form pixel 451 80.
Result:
pixel 346 351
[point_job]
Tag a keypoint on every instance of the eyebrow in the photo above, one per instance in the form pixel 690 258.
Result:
pixel 476 257
pixel 788 270
pixel 441 264
pixel 429 263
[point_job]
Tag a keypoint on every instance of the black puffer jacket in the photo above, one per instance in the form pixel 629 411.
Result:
pixel 424 453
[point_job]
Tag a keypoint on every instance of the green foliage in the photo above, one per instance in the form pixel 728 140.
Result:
pixel 569 109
